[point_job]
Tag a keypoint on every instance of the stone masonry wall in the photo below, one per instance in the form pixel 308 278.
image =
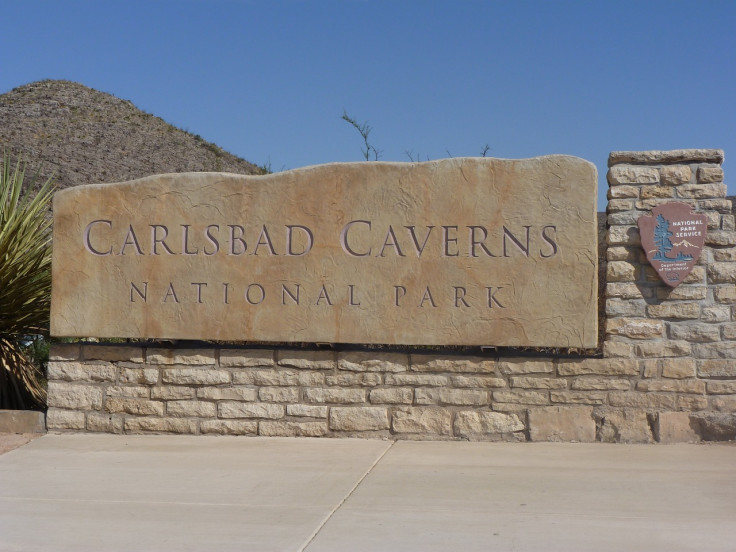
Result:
pixel 668 371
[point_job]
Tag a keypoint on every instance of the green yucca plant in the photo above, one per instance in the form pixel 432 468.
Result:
pixel 25 283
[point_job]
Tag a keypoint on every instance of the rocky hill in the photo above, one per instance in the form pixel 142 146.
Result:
pixel 84 136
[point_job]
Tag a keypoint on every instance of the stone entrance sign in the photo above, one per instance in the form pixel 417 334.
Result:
pixel 468 251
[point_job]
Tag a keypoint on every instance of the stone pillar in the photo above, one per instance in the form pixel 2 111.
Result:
pixel 686 336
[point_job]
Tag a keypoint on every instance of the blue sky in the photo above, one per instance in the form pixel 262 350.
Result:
pixel 269 80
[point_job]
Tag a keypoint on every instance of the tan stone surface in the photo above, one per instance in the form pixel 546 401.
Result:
pixel 475 251
pixel 562 423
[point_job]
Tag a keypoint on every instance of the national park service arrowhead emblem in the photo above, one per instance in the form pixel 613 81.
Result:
pixel 673 238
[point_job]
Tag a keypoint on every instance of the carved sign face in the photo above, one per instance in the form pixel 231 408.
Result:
pixel 673 238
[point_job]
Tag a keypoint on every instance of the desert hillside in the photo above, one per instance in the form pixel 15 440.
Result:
pixel 84 136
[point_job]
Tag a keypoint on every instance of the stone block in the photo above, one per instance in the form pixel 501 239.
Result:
pixel 191 409
pixel 723 403
pixel 81 371
pixel 724 349
pixel 246 394
pixel 278 376
pixel 148 376
pixel 713 220
pixel 64 351
pixel 617 349
pixel 526 382
pixel 306 411
pixel 679 368
pixel 488 382
pixel 57 418
pixel 160 425
pixel 433 363
pixel 722 273
pixel 624 426
pixel 621 253
pixel 696 276
pixel 522 366
pixel 334 395
pixel 676 427
pixel 720 238
pixel 672 386
pixel 112 353
pixel 306 360
pixel 593 383
pixel 623 191
pixel 709 174
pixel 625 291
pixel 663 349
pixel 372 361
pixel 649 204
pixel 621 271
pixel 22 421
pixel 615 206
pixel 195 376
pixel 719 313
pixel 725 294
pixel 643 401
pixel 623 235
pixel 104 423
pixel 228 427
pixel 679 311
pixel 521 397
pixel 471 424
pixel 422 420
pixel 578 397
pixel 666 156
pixel 234 409
pixel 598 366
pixel 675 175
pixel 635 328
pixel 426 395
pixel 721 387
pixel 392 395
pixel 715 426
pixel 194 357
pixel 430 380
pixel 246 358
pixel 649 192
pixel 463 397
pixel 721 205
pixel 724 255
pixel 695 332
pixel 279 394
pixel 728 222
pixel 359 418
pixel 691 402
pixel 626 307
pixel 562 424
pixel 631 174
pixel 74 396
pixel 702 191
pixel 367 379
pixel 127 391
pixel 137 407
pixel 650 368
pixel 716 368
pixel 683 293
pixel 292 429
pixel 173 393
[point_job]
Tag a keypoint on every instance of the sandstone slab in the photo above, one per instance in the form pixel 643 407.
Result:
pixel 449 252
pixel 562 423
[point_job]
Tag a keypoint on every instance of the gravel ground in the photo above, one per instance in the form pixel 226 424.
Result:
pixel 10 441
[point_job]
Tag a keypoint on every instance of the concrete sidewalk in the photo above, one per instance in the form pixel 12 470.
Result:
pixel 137 493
